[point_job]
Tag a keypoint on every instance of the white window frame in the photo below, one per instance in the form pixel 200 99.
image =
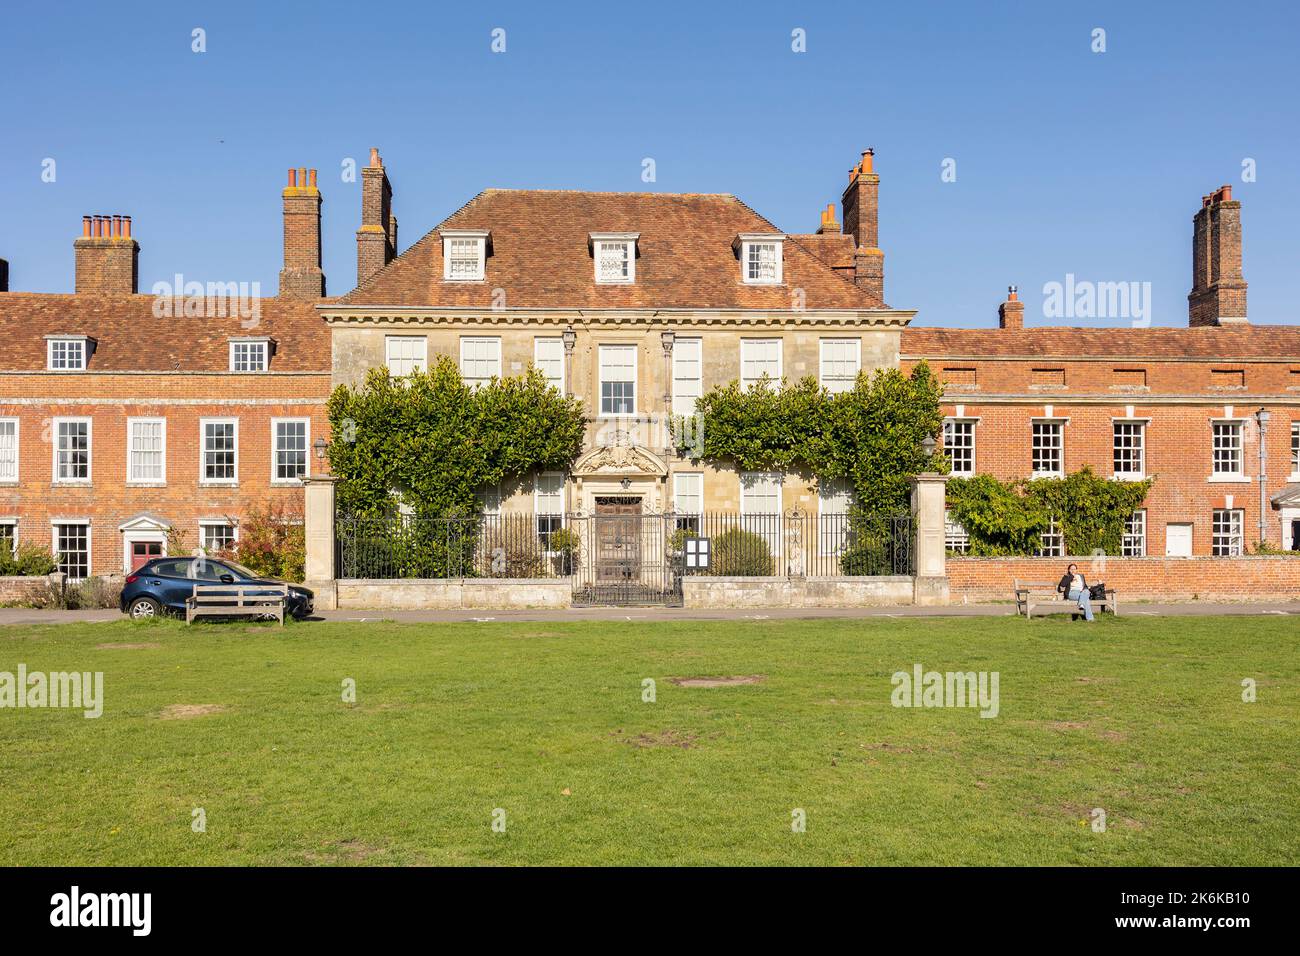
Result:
pixel 90 450
pixel 837 384
pixel 131 423
pixel 491 499
pixel 1051 543
pixel 1230 543
pixel 216 523
pixel 556 342
pixel 1134 542
pixel 628 240
pixel 746 380
pixel 55 524
pixel 955 538
pixel 688 517
pixel 18 446
pixel 476 381
pixel 1059 425
pixel 832 520
pixel 949 430
pixel 450 237
pixel 1140 424
pixel 81 341
pixel 538 513
pixel 746 242
pixel 203 478
pixel 12 525
pixel 767 524
pixel 260 345
pixel 275 449
pixel 687 388
pixel 1233 425
pixel 1295 451
pixel 600 376
pixel 421 363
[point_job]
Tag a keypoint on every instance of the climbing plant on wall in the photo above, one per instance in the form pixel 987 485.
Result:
pixel 868 437
pixel 1007 518
pixel 432 442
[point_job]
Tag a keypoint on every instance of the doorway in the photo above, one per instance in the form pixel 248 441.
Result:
pixel 618 538
pixel 142 552
pixel 625 557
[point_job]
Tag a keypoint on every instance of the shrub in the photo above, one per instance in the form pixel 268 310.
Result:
pixel 272 542
pixel 31 560
pixel 741 553
pixel 93 592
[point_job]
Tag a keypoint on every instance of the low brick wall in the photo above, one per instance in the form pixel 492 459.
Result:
pixel 728 592
pixel 455 595
pixel 21 590
pixel 1248 578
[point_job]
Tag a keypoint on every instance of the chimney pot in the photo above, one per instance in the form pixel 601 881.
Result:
pixel 311 178
pixel 375 161
pixel 1013 294
pixel 117 226
pixel 126 226
pixel 293 178
pixel 85 226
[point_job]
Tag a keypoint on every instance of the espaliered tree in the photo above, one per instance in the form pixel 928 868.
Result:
pixel 432 442
pixel 868 437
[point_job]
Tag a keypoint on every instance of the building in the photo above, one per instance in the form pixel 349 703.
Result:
pixel 1211 410
pixel 637 303
pixel 130 420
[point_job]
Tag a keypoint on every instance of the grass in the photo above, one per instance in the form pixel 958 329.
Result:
pixel 1142 717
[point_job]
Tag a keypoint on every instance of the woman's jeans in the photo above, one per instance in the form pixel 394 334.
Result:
pixel 1085 602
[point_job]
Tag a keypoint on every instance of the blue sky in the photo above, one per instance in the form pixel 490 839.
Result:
pixel 1067 161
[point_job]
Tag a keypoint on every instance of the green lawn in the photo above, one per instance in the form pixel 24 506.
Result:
pixel 1140 716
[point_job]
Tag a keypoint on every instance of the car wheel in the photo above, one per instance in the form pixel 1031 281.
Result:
pixel 144 608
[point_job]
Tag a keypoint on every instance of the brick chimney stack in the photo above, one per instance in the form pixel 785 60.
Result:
pixel 861 204
pixel 301 277
pixel 1011 313
pixel 377 237
pixel 828 220
pixel 107 258
pixel 1218 295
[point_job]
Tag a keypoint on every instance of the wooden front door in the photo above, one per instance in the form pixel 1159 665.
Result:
pixel 144 551
pixel 618 538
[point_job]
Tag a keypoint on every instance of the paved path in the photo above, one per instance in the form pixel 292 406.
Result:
pixel 12 615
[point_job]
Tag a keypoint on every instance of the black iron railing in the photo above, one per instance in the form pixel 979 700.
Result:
pixel 604 547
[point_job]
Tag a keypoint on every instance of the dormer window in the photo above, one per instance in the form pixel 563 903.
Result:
pixel 250 355
pixel 760 258
pixel 614 254
pixel 464 254
pixel 68 353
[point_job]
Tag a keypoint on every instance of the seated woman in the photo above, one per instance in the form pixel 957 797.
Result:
pixel 1075 588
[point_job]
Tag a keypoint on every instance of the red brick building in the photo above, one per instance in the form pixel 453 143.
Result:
pixel 128 417
pixel 1211 411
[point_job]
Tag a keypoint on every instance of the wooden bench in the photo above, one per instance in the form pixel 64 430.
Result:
pixel 236 600
pixel 1043 597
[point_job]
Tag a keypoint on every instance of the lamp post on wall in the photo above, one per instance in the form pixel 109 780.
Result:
pixel 1261 417
pixel 570 338
pixel 668 337
pixel 320 446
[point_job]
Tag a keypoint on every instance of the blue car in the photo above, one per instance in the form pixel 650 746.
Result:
pixel 163 584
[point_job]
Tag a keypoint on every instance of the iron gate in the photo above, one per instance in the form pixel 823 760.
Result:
pixel 625 559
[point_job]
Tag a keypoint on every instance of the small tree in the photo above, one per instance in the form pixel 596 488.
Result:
pixel 272 542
